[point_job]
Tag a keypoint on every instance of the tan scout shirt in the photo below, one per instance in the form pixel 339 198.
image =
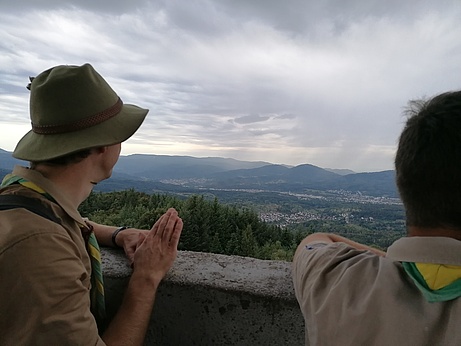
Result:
pixel 44 274
pixel 352 297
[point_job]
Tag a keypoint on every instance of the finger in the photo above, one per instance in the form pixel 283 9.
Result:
pixel 167 223
pixel 162 225
pixel 169 226
pixel 176 234
pixel 130 254
pixel 157 225
pixel 154 228
pixel 130 251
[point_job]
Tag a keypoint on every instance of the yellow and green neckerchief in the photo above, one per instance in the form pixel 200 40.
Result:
pixel 97 283
pixel 437 282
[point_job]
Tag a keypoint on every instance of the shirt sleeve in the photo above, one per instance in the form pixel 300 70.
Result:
pixel 320 265
pixel 48 287
pixel 308 265
pixel 328 277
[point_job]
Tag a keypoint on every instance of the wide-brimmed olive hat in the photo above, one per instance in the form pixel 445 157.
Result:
pixel 73 108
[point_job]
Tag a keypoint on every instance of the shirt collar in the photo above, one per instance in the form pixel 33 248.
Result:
pixel 46 184
pixel 441 250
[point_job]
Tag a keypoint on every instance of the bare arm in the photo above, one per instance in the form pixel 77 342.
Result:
pixel 153 257
pixel 103 232
pixel 334 238
pixel 127 239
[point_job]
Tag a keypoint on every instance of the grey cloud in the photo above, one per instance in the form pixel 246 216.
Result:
pixel 104 6
pixel 253 118
pixel 197 17
pixel 304 17
pixel 211 17
pixel 285 116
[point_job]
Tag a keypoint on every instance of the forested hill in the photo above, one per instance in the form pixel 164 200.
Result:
pixel 220 173
pixel 208 225
pixel 163 173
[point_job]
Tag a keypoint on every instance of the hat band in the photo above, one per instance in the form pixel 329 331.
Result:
pixel 81 124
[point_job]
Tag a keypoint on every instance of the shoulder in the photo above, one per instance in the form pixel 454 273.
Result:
pixel 317 253
pixel 18 224
pixel 27 239
pixel 319 265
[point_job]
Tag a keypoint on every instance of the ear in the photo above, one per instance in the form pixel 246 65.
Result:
pixel 100 150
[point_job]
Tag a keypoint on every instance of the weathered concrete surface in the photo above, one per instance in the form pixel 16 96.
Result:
pixel 209 299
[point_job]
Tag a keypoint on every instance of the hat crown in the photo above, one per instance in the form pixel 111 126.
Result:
pixel 67 94
pixel 73 108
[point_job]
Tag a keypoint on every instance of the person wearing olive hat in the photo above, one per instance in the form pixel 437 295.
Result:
pixel 51 288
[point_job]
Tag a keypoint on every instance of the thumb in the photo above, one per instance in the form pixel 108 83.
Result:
pixel 131 252
pixel 141 238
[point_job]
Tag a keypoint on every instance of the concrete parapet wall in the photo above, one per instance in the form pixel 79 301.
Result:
pixel 209 299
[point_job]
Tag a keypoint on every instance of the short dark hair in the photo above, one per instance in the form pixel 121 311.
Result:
pixel 428 162
pixel 65 160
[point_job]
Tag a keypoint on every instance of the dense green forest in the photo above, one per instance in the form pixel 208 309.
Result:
pixel 211 226
pixel 208 225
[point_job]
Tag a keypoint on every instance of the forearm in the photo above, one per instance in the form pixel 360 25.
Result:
pixel 104 233
pixel 129 326
pixel 334 238
pixel 153 257
pixel 358 246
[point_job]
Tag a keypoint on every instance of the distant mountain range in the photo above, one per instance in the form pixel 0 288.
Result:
pixel 156 173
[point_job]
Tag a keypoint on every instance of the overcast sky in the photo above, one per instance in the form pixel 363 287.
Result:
pixel 291 82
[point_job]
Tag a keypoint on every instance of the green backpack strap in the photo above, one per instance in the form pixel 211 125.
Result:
pixel 34 205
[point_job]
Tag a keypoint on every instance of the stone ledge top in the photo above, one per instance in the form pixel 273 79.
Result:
pixel 235 273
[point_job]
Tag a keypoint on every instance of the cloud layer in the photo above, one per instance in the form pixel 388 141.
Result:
pixel 286 82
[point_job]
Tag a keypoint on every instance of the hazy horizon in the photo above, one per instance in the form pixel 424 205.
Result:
pixel 231 158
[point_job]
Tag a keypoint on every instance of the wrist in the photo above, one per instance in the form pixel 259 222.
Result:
pixel 115 233
pixel 145 281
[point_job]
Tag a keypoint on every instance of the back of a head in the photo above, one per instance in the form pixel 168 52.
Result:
pixel 428 162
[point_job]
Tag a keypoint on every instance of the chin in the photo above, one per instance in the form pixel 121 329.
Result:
pixel 107 176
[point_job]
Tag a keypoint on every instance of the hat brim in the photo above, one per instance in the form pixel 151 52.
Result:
pixel 38 147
